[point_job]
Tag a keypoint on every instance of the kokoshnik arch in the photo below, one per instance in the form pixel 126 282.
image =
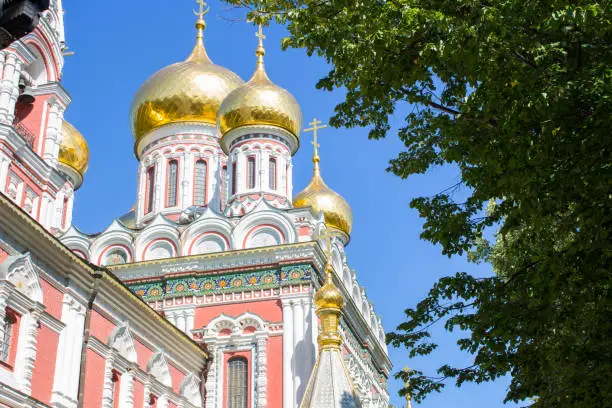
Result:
pixel 220 288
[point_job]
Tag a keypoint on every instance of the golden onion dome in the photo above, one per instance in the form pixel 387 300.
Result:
pixel 260 102
pixel 188 91
pixel 337 212
pixel 73 152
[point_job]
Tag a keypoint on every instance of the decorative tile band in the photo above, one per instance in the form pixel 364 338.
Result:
pixel 195 285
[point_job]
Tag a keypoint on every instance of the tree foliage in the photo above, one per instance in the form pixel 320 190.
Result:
pixel 517 95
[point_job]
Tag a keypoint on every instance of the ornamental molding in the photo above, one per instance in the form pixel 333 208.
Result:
pixel 177 131
pixel 226 261
pixel 202 285
pixel 228 139
pixel 215 335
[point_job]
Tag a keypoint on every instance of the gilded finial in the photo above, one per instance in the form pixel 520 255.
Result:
pixel 199 52
pixel 329 302
pixel 260 71
pixel 314 128
pixel 408 396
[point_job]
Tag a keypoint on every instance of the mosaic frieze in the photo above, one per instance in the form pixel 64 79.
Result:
pixel 195 285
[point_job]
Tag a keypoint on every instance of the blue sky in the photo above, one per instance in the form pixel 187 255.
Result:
pixel 119 44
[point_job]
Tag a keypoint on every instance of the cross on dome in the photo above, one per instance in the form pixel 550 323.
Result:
pixel 203 9
pixel 314 128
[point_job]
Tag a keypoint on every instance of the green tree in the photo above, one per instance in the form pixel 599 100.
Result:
pixel 517 95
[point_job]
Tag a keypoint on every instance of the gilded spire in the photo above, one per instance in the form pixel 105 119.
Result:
pixel 199 51
pixel 330 385
pixel 260 77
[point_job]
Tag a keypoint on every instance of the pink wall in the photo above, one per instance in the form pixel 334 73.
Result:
pixel 53 299
pixel 177 378
pixel 269 310
pixel 3 254
pixel 144 354
pixel 44 366
pixel 31 116
pixel 100 326
pixel 275 371
pixel 138 394
pixel 94 379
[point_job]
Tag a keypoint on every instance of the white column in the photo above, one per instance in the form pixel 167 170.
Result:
pixel 298 347
pixel 211 379
pixel 289 179
pixel 5 163
pixel 6 85
pixel 315 330
pixel 14 91
pixel 141 191
pixel 126 391
pixel 108 390
pixel 262 171
pixel 160 184
pixel 240 173
pixel 185 200
pixel 162 402
pixel 67 366
pixel 180 320
pixel 189 321
pixel 262 379
pixel 288 397
pixel 26 351
pixel 52 134
pixel 309 352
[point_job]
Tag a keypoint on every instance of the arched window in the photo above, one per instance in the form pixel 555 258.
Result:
pixel 224 183
pixel 172 183
pixel 199 186
pixel 234 178
pixel 150 193
pixel 272 173
pixel 237 382
pixel 251 172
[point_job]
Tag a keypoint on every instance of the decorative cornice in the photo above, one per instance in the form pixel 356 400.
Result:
pixel 219 261
pixel 27 232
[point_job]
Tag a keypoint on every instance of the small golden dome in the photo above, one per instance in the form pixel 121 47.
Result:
pixel 337 212
pixel 188 91
pixel 73 151
pixel 329 296
pixel 260 102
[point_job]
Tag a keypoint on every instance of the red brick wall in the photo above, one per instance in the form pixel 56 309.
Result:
pixel 44 366
pixel 94 379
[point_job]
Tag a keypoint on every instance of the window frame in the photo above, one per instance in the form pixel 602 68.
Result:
pixel 251 179
pixel 149 189
pixel 239 357
pixel 172 161
pixel 273 175
pixel 205 182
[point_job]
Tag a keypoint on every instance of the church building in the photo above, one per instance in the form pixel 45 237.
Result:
pixel 220 288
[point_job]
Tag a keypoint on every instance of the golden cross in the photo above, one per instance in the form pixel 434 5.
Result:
pixel 203 9
pixel 315 126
